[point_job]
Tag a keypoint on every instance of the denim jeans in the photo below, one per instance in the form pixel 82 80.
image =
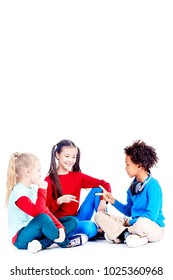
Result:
pixel 42 228
pixel 85 213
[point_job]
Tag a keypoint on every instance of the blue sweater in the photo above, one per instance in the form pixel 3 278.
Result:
pixel 146 204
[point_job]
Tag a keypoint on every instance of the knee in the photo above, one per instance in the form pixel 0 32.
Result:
pixel 42 217
pixel 69 219
pixel 73 221
pixel 99 217
pixel 96 190
pixel 91 229
pixel 141 226
pixel 142 222
pixel 87 227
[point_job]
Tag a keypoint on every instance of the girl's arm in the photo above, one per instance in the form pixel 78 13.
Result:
pixel 26 205
pixel 91 182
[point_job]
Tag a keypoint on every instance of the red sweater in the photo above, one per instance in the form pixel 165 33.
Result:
pixel 71 183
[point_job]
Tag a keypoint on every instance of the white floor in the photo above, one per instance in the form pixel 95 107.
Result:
pixel 92 256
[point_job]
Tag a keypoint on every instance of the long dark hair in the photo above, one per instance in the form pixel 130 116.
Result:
pixel 52 173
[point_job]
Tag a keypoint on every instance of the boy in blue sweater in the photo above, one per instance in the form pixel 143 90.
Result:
pixel 143 219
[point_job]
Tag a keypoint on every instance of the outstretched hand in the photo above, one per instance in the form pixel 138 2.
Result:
pixel 106 195
pixel 66 198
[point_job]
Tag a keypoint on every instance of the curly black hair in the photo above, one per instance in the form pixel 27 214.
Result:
pixel 142 154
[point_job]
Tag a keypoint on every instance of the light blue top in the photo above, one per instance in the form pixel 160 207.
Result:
pixel 16 217
pixel 146 204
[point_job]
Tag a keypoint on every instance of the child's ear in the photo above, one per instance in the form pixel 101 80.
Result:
pixel 27 171
pixel 57 156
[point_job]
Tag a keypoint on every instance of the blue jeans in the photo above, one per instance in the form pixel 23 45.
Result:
pixel 85 213
pixel 42 228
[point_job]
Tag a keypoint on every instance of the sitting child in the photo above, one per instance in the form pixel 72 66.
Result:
pixel 31 224
pixel 145 222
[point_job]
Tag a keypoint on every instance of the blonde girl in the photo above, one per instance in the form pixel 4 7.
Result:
pixel 31 225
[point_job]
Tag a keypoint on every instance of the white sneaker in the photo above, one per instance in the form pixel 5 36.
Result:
pixel 134 240
pixel 34 246
pixel 77 240
pixel 108 238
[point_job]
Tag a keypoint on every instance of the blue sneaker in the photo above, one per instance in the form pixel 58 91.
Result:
pixel 77 240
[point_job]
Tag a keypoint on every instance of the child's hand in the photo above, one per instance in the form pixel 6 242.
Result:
pixel 42 184
pixel 107 195
pixel 66 198
pixel 61 236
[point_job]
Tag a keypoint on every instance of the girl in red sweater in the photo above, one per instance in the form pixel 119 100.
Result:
pixel 31 224
pixel 65 181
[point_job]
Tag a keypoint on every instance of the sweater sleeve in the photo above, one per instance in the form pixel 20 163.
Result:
pixel 91 182
pixel 124 208
pixel 26 205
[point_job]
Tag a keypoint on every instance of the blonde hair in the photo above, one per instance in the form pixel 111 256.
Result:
pixel 17 163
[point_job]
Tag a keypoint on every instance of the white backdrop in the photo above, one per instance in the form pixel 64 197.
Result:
pixel 96 72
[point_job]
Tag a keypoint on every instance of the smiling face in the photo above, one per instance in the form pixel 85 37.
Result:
pixel 66 158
